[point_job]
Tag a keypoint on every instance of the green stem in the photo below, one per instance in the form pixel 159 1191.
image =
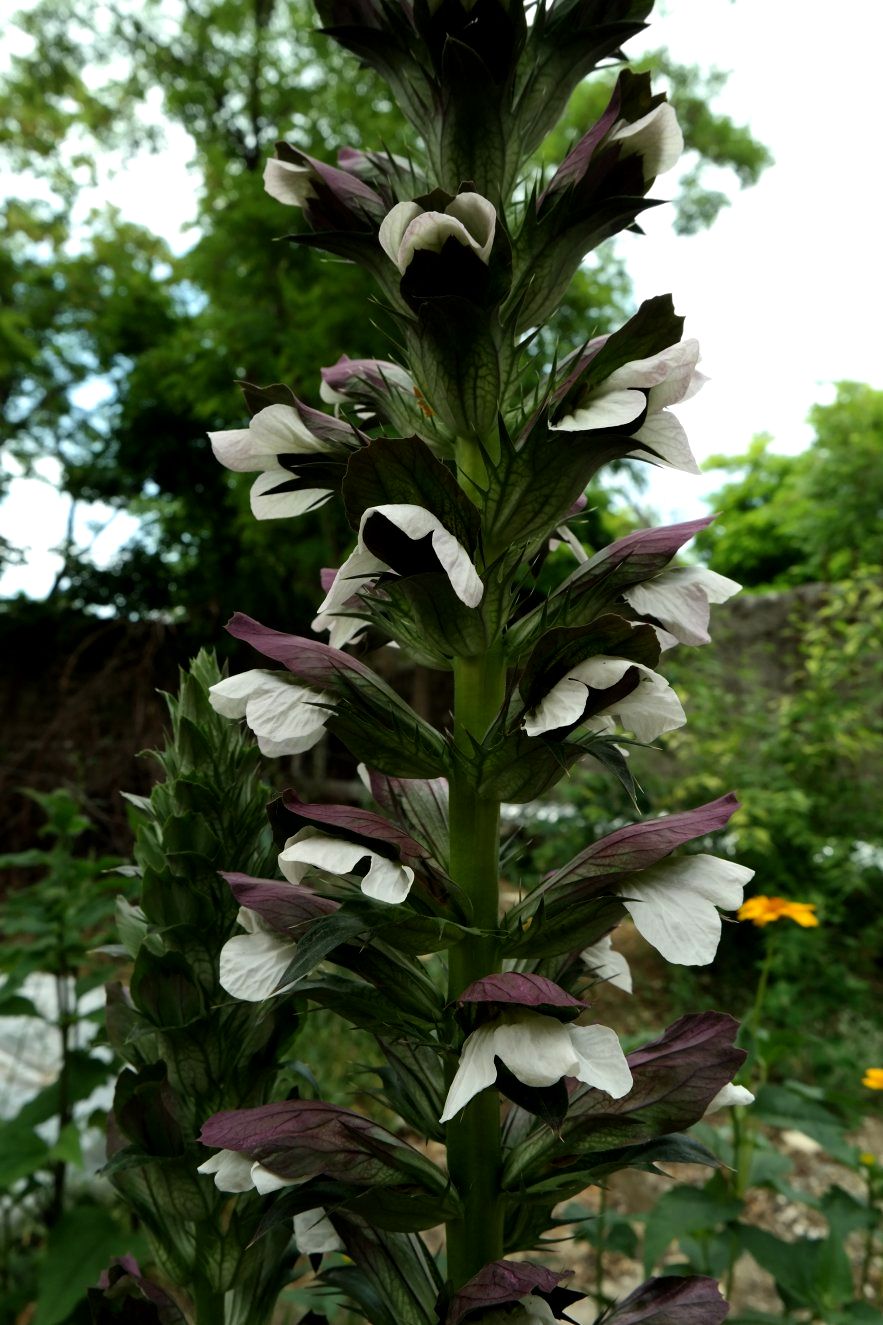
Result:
pixel 208 1304
pixel 600 1248
pixel 473 1137
pixel 868 1250
pixel 743 1125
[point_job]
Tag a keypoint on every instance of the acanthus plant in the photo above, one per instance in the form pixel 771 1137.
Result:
pixel 391 916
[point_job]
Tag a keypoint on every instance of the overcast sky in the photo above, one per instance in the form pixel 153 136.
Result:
pixel 782 292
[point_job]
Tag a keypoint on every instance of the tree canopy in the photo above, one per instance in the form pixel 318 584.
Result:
pixel 118 355
pixel 786 520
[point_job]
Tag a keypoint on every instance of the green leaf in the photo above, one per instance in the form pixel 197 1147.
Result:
pixel 533 486
pixel 79 1248
pixel 131 925
pixel 68 1147
pixel 403 471
pixel 792 1105
pixel 809 1272
pixel 163 988
pixel 85 1074
pixel 389 737
pixel 457 360
pixel 22 1152
pixel 321 939
pixel 685 1210
pixel 560 928
pixel 397 1281
pixel 519 768
pixel 424 615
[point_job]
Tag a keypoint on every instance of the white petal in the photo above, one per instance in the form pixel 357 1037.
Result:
pixel 674 905
pixel 235 448
pixel 387 881
pixel 601 1061
pixel 230 696
pixel 344 630
pixel 269 505
pixel 331 397
pixel 360 569
pixel 265 1181
pixel 533 1311
pixel 606 409
pixel 656 136
pixel 393 227
pixel 667 376
pixel 665 436
pixel 232 1171
pixel 728 1096
pixel 313 847
pixel 314 1233
pixel 605 963
pixel 717 588
pixel 475 1072
pixel 683 608
pixel 563 706
pixel 681 381
pixel 280 430
pixel 288 183
pixel 679 598
pixel 536 1049
pixel 479 216
pixel 250 921
pixel 666 639
pixel 651 709
pixel 251 965
pixel 285 717
pixel 416 522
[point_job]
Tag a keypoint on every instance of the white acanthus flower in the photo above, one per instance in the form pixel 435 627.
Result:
pixel 276 430
pixel 287 182
pixel 539 1051
pixel 385 881
pixel 469 219
pixel 680 597
pixel 656 137
pixel 530 1310
pixel 314 1233
pixel 605 963
pixel 362 568
pixel 654 384
pixel 235 1172
pixel 728 1097
pixel 650 710
pixel 287 718
pixel 252 964
pixel 674 904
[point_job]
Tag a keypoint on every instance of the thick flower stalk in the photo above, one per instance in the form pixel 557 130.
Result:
pixel 455 471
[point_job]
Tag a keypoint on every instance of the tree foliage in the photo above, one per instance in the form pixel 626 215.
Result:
pixel 117 355
pixel 796 519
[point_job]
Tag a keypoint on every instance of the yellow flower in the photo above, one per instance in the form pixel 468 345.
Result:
pixel 867 1160
pixel 762 910
pixel 873 1078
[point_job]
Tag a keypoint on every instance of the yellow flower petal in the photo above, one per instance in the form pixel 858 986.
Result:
pixel 763 910
pixel 873 1078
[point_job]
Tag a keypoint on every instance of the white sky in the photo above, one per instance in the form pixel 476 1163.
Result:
pixel 781 293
